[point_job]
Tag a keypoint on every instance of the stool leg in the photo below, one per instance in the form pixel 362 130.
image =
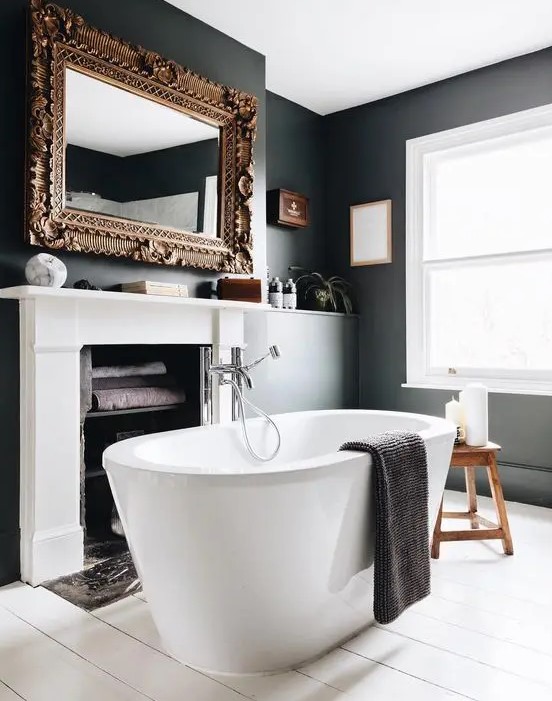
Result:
pixel 469 473
pixel 436 541
pixel 500 506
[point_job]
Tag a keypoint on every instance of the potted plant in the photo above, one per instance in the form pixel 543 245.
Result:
pixel 320 293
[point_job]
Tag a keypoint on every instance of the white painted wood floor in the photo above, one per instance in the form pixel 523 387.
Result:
pixel 485 633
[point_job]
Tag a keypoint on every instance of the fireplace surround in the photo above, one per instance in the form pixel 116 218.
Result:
pixel 54 325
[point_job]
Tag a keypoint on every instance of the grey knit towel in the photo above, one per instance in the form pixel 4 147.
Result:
pixel 401 561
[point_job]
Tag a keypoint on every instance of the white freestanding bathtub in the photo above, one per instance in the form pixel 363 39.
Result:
pixel 257 567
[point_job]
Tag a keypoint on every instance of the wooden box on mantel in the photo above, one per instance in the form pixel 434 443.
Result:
pixel 240 289
pixel 287 208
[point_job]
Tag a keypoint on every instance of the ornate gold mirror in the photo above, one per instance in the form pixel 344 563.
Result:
pixel 130 154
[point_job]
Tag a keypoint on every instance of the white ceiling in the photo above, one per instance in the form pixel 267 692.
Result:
pixel 104 118
pixel 332 54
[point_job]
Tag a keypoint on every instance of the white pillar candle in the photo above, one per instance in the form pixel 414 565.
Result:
pixel 475 404
pixel 454 412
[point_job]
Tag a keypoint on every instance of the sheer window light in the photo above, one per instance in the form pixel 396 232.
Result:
pixel 479 255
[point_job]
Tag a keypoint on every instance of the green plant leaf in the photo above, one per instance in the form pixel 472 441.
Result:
pixel 336 280
pixel 347 304
pixel 345 301
pixel 332 297
pixel 311 287
pixel 298 269
pixel 300 280
pixel 323 281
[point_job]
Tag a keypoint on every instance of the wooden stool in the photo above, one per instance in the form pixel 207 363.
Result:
pixel 470 458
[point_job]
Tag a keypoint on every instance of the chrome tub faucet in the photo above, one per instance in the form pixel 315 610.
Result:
pixel 237 371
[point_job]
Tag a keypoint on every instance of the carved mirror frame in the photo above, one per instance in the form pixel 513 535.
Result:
pixel 61 39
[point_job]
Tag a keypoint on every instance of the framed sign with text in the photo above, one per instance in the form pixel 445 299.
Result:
pixel 287 208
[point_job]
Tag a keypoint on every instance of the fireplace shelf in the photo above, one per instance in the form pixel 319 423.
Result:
pixel 103 428
pixel 139 410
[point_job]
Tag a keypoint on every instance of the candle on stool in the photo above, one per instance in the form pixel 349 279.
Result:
pixel 475 404
pixel 454 411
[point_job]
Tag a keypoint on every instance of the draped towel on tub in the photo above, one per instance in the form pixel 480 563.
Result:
pixel 401 562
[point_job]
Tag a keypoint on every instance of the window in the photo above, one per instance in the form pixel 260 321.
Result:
pixel 479 255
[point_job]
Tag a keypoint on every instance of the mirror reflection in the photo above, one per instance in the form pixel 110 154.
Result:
pixel 130 157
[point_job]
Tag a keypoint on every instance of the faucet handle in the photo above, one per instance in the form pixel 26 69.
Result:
pixel 275 352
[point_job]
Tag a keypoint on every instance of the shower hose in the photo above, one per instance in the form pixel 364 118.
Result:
pixel 242 402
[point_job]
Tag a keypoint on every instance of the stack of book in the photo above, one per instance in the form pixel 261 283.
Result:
pixel 148 287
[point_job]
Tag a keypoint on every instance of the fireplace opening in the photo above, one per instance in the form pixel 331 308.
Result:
pixel 126 391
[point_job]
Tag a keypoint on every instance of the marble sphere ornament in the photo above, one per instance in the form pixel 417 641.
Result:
pixel 45 270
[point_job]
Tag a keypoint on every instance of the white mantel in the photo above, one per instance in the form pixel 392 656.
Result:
pixel 54 325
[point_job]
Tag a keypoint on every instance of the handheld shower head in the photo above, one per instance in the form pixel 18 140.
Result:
pixel 273 352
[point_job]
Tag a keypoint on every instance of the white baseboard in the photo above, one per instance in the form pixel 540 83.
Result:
pixel 50 554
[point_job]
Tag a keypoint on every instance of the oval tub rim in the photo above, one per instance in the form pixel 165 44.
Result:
pixel 123 456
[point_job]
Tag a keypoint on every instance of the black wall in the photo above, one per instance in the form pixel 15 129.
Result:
pixel 294 161
pixel 157 26
pixel 168 171
pixel 87 170
pixel 365 149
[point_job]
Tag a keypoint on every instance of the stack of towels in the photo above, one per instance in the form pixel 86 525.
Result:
pixel 134 386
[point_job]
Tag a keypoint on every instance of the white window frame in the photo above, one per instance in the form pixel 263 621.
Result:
pixel 418 153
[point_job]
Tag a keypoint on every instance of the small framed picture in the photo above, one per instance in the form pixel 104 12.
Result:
pixel 371 233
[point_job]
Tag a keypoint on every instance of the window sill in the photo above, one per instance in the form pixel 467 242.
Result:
pixel 495 390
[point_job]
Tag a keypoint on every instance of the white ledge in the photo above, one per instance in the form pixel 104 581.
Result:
pixel 493 390
pixel 35 291
pixel 311 311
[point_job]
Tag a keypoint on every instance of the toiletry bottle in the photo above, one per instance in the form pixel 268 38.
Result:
pixel 275 294
pixel 290 295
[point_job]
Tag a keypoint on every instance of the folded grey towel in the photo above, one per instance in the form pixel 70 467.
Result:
pixel 401 561
pixel 133 381
pixel 136 397
pixel 154 368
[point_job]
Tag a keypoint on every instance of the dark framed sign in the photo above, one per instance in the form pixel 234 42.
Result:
pixel 287 208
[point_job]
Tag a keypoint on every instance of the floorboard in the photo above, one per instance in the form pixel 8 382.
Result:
pixel 470 595
pixel 527 634
pixel 38 668
pixel 140 667
pixel 499 654
pixel 362 679
pixel 7 694
pixel 443 668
